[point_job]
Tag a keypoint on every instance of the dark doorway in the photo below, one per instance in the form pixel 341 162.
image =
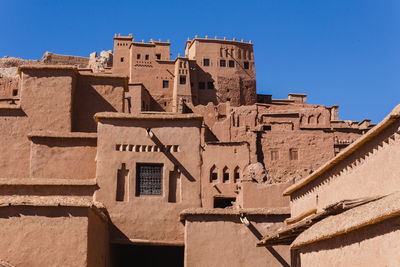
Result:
pixel 146 256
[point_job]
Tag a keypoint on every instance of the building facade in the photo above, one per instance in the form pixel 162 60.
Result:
pixel 150 152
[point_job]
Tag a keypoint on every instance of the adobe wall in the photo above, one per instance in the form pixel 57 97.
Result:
pixel 44 236
pixel 358 175
pixel 98 240
pixel 55 59
pixel 123 142
pixel 46 102
pixel 373 245
pixel 220 158
pixel 256 195
pixel 96 93
pixel 235 84
pixel 42 187
pixel 63 157
pixel 9 88
pixel 222 240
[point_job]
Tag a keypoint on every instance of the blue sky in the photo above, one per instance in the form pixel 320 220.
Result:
pixel 344 52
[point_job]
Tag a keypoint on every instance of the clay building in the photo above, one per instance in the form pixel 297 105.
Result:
pixel 116 158
pixel 347 211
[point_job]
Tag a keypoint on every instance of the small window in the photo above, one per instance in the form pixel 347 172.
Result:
pixel 210 85
pixel 202 85
pixel 122 59
pixel 206 62
pixel 165 104
pixel 158 56
pixel 267 128
pixel 225 177
pixel 146 57
pixel 222 63
pixel 182 79
pixel 138 56
pixel 231 64
pixel 223 202
pixel 165 84
pixel 228 99
pixel 274 154
pixel 213 174
pixel 15 92
pixel 294 154
pixel 149 179
pixel 239 53
pixel 246 65
pixel 236 175
pixel 228 90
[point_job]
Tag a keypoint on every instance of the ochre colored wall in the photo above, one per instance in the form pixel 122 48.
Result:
pixel 359 175
pixel 221 156
pixel 95 94
pixel 98 241
pixel 63 158
pixel 374 245
pixel 223 241
pixel 153 218
pixel 43 236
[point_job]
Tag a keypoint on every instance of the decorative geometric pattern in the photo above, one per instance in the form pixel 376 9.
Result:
pixel 149 179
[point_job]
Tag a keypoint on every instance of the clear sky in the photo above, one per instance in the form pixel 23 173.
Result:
pixel 344 52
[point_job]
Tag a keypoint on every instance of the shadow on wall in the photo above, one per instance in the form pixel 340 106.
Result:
pixel 87 102
pixel 205 95
pixel 171 157
pixel 271 250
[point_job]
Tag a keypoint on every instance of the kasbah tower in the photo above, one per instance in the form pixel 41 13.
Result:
pixel 133 158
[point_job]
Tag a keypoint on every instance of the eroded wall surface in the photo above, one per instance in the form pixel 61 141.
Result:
pixel 359 175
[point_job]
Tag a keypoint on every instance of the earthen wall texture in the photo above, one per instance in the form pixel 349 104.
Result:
pixel 373 245
pixel 39 236
pixel 123 144
pixel 212 240
pixel 357 176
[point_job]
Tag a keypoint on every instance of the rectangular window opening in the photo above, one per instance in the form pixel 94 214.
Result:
pixel 122 59
pixel 274 154
pixel 223 202
pixel 182 79
pixel 246 65
pixel 149 179
pixel 231 64
pixel 138 56
pixel 158 56
pixel 146 57
pixel 222 63
pixel 210 85
pixel 206 62
pixel 165 84
pixel 294 154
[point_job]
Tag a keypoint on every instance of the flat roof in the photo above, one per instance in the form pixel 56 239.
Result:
pixel 394 115
pixel 70 135
pixel 146 116
pixel 234 212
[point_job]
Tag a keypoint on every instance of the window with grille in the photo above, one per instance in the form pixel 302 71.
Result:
pixel 148 179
